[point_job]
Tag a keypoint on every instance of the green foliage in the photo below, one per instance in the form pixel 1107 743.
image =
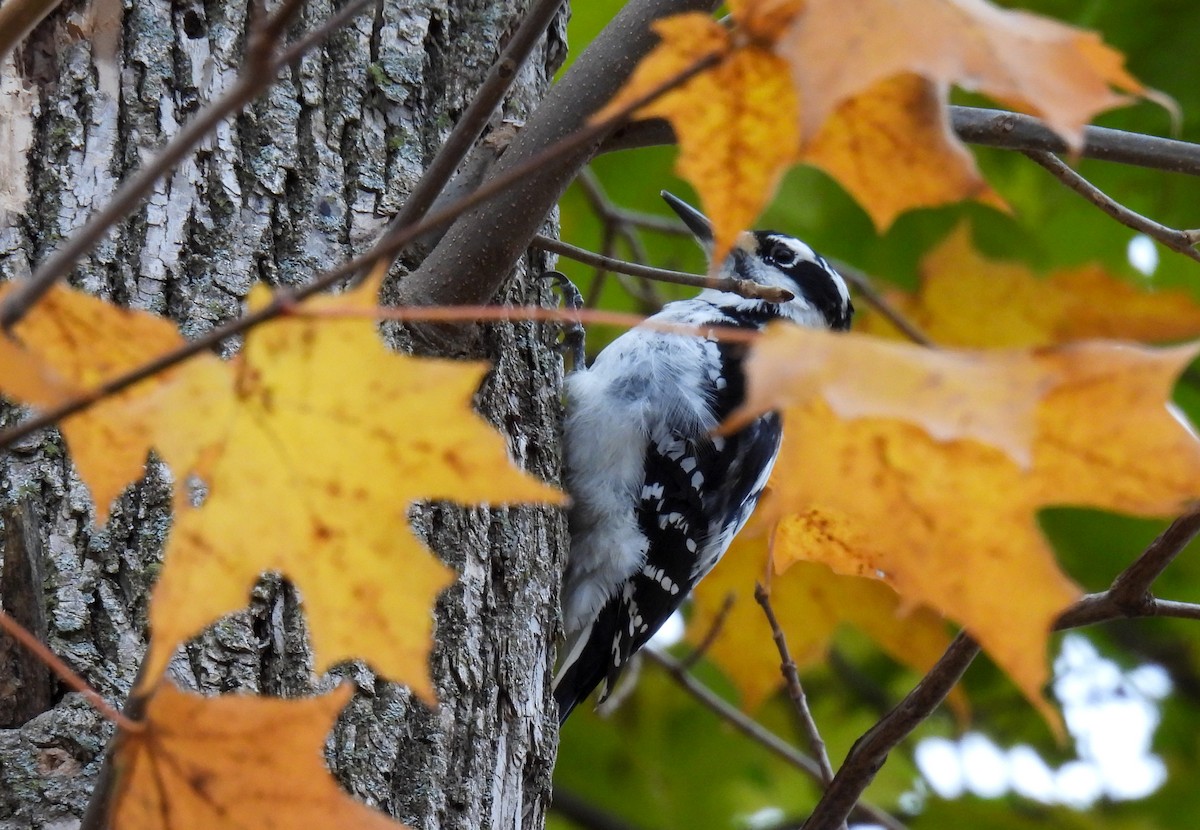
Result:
pixel 662 761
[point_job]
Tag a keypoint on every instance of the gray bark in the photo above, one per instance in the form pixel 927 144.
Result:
pixel 302 179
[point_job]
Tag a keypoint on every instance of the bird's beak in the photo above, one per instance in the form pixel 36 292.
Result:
pixel 696 221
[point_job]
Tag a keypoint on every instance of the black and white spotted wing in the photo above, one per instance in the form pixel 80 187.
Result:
pixel 697 493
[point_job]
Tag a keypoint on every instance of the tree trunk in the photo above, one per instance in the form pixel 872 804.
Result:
pixel 304 178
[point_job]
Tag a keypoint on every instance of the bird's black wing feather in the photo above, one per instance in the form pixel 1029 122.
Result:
pixel 696 493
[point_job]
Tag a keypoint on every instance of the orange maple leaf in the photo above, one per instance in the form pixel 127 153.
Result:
pixel 920 483
pixel 891 148
pixel 234 761
pixel 966 299
pixel 312 444
pixel 1064 75
pixel 811 602
pixel 866 82
pixel 736 122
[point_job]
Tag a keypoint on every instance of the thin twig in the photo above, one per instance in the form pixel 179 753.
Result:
pixel 65 673
pixel 606 209
pixel 259 74
pixel 865 286
pixel 474 257
pixel 294 51
pixel 710 636
pixel 18 18
pixel 1180 610
pixel 1127 597
pixel 869 752
pixel 1183 242
pixel 579 811
pixel 791 676
pixel 387 246
pixel 760 734
pixel 743 288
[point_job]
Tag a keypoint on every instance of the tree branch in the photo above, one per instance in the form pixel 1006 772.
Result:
pixel 65 673
pixel 474 257
pixel 758 733
pixel 996 128
pixel 1183 242
pixel 18 18
pixel 865 286
pixel 1132 584
pixel 744 288
pixel 581 812
pixel 378 256
pixel 1127 597
pixel 1014 131
pixel 475 117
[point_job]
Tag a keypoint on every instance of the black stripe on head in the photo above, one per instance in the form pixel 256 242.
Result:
pixel 819 287
pixel 816 279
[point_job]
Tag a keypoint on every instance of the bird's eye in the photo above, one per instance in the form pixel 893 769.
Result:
pixel 783 255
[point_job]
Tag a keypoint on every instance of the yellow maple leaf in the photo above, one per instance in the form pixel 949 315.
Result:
pixel 1064 75
pixel 312 445
pixel 810 601
pixel 23 377
pixel 966 299
pixel 891 148
pixel 914 493
pixel 736 122
pixel 866 82
pixel 234 761
pixel 73 342
pixel 311 466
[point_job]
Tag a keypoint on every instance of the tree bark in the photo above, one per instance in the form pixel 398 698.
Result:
pixel 302 179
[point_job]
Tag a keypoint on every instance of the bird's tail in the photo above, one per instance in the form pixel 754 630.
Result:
pixel 582 670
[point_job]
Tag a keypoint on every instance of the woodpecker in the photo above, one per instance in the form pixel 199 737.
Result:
pixel 656 497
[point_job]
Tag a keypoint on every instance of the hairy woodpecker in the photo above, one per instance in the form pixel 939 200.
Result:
pixel 656 497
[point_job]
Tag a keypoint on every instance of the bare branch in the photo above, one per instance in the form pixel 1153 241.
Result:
pixel 710 636
pixel 997 128
pixel 1014 131
pixel 382 251
pixel 1134 582
pixel 18 18
pixel 583 813
pixel 1183 242
pixel 475 117
pixel 1182 610
pixel 472 260
pixel 760 734
pixel 614 228
pixel 744 288
pixel 791 677
pixel 1127 597
pixel 865 286
pixel 870 751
